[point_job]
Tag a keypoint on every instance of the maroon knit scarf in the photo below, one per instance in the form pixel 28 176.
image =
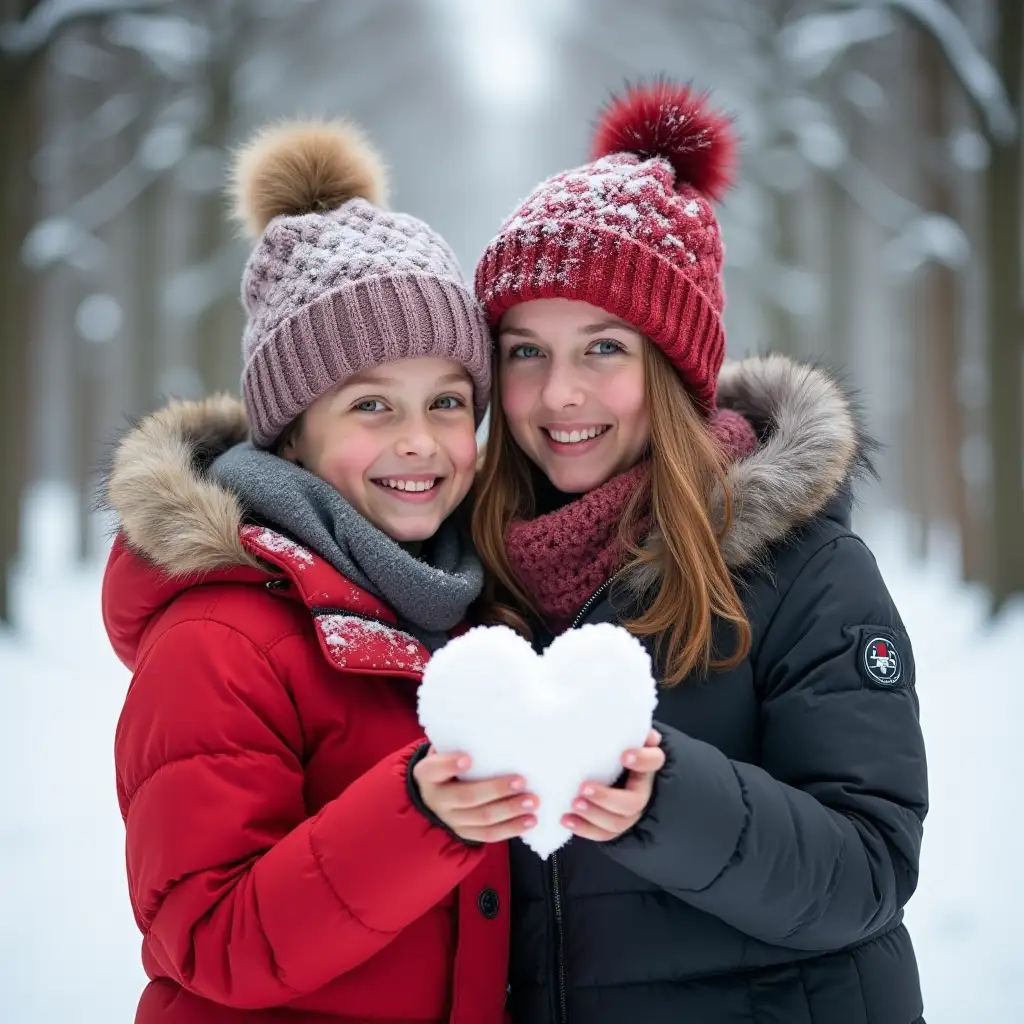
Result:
pixel 562 557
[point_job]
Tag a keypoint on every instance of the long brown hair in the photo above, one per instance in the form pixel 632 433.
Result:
pixel 681 563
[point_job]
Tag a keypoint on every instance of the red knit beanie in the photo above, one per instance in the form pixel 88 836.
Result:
pixel 632 232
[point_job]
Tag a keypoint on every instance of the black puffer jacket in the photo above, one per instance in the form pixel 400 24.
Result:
pixel 766 881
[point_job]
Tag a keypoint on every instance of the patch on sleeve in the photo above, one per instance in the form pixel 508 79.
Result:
pixel 880 660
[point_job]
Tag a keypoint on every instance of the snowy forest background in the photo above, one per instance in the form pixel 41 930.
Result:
pixel 877 228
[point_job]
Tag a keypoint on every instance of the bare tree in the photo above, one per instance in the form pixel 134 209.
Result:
pixel 18 73
pixel 213 272
pixel 949 55
pixel 1005 331
pixel 27 29
pixel 938 416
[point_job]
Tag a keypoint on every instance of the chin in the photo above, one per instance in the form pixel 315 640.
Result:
pixel 578 479
pixel 411 530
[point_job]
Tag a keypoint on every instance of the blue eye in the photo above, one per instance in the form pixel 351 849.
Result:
pixel 369 405
pixel 524 352
pixel 447 402
pixel 607 347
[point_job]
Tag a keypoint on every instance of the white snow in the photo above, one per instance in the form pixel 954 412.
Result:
pixel 588 698
pixel 351 631
pixel 615 194
pixel 272 541
pixel 68 943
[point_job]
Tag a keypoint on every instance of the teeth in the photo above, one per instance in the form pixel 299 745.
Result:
pixel 410 485
pixel 575 436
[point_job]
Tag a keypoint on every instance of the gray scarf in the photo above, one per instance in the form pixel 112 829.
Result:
pixel 429 594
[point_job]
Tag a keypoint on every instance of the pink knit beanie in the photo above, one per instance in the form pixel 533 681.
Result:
pixel 336 283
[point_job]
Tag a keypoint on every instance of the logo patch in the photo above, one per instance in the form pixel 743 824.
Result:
pixel 882 662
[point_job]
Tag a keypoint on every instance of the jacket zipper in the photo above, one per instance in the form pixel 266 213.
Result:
pixel 591 601
pixel 556 891
pixel 556 877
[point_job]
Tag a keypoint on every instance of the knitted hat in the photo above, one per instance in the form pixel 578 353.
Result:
pixel 336 283
pixel 633 232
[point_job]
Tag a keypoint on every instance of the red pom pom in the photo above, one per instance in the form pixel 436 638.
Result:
pixel 671 121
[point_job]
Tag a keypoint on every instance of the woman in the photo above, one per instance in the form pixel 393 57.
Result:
pixel 755 863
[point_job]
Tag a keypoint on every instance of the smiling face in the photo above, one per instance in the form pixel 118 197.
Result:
pixel 398 442
pixel 572 390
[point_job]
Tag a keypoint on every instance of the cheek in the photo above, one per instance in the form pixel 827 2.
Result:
pixel 518 398
pixel 462 448
pixel 626 399
pixel 343 456
pixel 345 464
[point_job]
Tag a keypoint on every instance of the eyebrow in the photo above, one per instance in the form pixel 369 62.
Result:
pixel 456 377
pixel 604 325
pixel 595 328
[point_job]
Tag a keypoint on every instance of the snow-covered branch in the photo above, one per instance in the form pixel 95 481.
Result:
pixel 171 42
pixel 23 38
pixel 161 149
pixel 816 40
pixel 918 237
pixel 813 42
pixel 882 204
pixel 975 71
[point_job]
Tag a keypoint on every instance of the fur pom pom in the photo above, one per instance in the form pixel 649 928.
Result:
pixel 668 120
pixel 304 167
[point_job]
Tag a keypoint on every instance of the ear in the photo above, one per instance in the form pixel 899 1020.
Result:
pixel 287 444
pixel 287 452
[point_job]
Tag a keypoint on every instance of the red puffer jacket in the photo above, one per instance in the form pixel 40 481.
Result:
pixel 277 868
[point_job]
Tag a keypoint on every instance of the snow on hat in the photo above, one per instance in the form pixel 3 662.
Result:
pixel 633 232
pixel 336 283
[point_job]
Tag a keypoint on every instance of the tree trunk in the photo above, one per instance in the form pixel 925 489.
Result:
pixel 218 331
pixel 88 384
pixel 144 295
pixel 938 324
pixel 784 334
pixel 1004 213
pixel 13 314
pixel 783 325
pixel 90 358
pixel 840 312
pixel 17 96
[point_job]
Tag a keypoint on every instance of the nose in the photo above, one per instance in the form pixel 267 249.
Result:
pixel 417 439
pixel 562 388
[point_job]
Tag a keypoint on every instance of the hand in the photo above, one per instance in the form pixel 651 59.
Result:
pixel 488 811
pixel 602 813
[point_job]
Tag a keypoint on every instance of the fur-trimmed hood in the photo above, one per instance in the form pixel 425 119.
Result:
pixel 174 514
pixel 811 449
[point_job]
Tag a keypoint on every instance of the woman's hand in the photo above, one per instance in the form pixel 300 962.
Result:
pixel 488 811
pixel 602 813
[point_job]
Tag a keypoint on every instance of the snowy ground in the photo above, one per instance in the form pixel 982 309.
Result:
pixel 68 944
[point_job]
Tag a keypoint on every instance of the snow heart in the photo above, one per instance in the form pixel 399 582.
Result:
pixel 557 719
